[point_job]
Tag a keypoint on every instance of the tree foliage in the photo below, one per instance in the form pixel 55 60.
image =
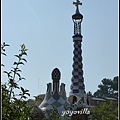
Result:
pixel 53 115
pixel 107 88
pixel 106 111
pixel 13 104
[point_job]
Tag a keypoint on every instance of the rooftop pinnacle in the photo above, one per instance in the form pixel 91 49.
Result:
pixel 76 4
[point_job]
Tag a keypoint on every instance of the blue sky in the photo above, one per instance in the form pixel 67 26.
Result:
pixel 46 28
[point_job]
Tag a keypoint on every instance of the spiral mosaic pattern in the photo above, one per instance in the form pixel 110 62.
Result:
pixel 77 86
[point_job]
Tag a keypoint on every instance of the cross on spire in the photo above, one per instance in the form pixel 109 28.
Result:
pixel 77 3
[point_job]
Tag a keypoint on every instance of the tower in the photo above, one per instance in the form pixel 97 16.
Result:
pixel 77 87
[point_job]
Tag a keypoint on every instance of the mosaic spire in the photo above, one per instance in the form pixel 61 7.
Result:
pixel 77 86
pixel 54 96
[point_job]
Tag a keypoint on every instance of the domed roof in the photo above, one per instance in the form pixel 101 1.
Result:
pixel 77 16
pixel 56 74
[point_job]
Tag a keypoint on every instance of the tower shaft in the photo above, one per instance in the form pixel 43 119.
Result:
pixel 77 86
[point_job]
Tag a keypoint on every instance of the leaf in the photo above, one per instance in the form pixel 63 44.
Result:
pixel 17 87
pixel 26 49
pixel 28 94
pixel 24 59
pixel 22 89
pixel 24 53
pixel 5 72
pixel 19 70
pixel 3 49
pixel 3 65
pixel 3 43
pixel 26 91
pixel 24 97
pixel 23 46
pixel 4 54
pixel 15 99
pixel 15 63
pixel 18 74
pixel 20 63
pixel 12 70
pixel 17 56
pixel 23 78
pixel 20 94
pixel 6 45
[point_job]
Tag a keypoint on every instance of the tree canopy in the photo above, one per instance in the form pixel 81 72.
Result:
pixel 106 111
pixel 107 88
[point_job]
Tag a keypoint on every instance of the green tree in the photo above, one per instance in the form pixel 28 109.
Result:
pixel 107 88
pixel 115 86
pixel 53 115
pixel 13 104
pixel 106 111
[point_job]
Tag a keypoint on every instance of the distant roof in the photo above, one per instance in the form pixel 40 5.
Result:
pixel 108 98
pixel 93 98
pixel 41 95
